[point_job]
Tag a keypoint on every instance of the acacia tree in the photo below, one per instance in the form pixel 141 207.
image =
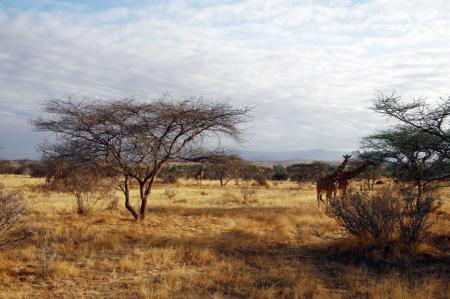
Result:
pixel 260 174
pixel 417 113
pixel 132 139
pixel 412 152
pixel 433 124
pixel 224 168
pixel 371 174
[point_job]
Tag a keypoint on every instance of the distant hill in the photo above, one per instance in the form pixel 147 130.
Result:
pixel 291 156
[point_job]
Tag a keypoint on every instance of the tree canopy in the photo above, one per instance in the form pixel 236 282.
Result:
pixel 134 139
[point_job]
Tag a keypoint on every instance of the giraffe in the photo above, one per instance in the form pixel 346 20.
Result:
pixel 199 175
pixel 328 183
pixel 346 176
pixel 55 171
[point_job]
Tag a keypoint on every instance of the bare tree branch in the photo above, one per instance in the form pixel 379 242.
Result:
pixel 135 139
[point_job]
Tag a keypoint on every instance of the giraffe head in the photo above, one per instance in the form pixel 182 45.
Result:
pixel 341 167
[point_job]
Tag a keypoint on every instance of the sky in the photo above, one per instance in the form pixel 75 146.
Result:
pixel 310 68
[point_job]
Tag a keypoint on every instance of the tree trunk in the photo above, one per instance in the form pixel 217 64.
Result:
pixel 143 207
pixel 143 192
pixel 127 198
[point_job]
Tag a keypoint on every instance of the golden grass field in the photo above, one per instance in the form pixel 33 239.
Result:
pixel 207 243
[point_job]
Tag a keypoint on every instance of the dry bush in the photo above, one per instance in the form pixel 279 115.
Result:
pixel 170 193
pixel 261 181
pixel 45 254
pixel 12 210
pixel 369 216
pixel 385 215
pixel 113 203
pixel 227 197
pixel 89 187
pixel 248 193
pixel 415 220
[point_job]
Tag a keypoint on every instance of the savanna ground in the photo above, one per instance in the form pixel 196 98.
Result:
pixel 207 242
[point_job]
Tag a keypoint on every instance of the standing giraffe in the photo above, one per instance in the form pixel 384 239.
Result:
pixel 328 183
pixel 55 171
pixel 346 176
pixel 199 175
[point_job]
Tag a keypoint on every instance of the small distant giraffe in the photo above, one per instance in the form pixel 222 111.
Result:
pixel 55 171
pixel 199 176
pixel 346 176
pixel 328 183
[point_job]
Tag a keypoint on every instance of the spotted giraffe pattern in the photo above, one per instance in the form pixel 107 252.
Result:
pixel 328 183
pixel 346 176
pixel 199 176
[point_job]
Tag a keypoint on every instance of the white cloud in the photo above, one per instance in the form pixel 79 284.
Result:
pixel 310 67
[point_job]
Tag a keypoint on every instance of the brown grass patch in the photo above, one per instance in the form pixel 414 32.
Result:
pixel 205 248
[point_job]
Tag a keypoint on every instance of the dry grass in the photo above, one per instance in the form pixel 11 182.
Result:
pixel 209 243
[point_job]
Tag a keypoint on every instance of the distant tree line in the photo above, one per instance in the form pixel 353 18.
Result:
pixel 224 169
pixel 23 167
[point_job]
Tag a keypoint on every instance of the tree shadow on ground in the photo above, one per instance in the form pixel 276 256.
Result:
pixel 219 211
pixel 380 260
pixel 240 244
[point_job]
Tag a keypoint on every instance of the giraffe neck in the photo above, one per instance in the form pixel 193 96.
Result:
pixel 341 167
pixel 354 172
pixel 338 171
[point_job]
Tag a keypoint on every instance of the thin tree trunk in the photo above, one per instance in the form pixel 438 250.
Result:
pixel 145 187
pixel 144 192
pixel 143 207
pixel 127 198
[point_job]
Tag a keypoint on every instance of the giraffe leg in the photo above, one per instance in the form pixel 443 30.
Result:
pixel 319 198
pixel 329 195
pixel 334 192
pixel 319 195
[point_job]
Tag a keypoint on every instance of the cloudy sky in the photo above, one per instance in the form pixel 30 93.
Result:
pixel 310 68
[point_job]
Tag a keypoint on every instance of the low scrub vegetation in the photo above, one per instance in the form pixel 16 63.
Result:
pixel 12 210
pixel 45 254
pixel 385 215
pixel 170 193
pixel 89 187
